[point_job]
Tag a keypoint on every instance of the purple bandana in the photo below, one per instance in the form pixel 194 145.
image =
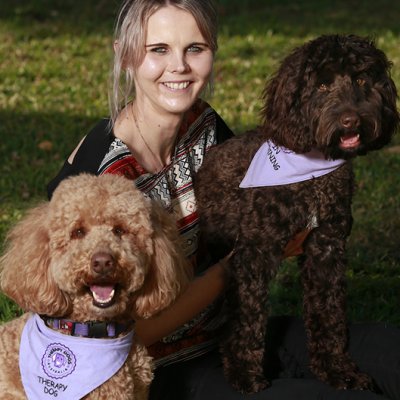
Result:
pixel 58 366
pixel 273 165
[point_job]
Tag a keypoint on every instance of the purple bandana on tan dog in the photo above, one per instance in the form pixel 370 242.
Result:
pixel 273 165
pixel 58 366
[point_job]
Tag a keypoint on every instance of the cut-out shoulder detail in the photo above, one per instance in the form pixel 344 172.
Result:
pixel 72 155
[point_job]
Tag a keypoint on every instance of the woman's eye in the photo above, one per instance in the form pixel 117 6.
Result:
pixel 118 231
pixel 78 233
pixel 159 50
pixel 194 49
pixel 323 87
pixel 360 81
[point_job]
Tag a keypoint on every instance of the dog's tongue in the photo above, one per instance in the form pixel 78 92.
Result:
pixel 102 294
pixel 350 140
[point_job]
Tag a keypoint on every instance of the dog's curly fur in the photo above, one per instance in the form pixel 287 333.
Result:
pixel 95 230
pixel 332 87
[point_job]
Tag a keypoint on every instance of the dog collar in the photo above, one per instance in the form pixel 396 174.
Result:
pixel 90 329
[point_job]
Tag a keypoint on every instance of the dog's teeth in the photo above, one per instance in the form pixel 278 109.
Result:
pixel 102 294
pixel 100 300
pixel 350 140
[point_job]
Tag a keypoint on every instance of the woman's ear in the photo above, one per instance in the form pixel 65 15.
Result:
pixel 124 64
pixel 116 46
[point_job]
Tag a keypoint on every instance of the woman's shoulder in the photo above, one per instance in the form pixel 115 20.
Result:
pixel 97 140
pixel 87 156
pixel 201 107
pixel 93 146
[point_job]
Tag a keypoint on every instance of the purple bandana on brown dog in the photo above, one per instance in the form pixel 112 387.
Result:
pixel 273 165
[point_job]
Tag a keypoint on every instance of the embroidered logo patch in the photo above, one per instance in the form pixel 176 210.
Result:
pixel 58 361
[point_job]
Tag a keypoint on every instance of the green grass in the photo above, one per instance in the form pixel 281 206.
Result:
pixel 54 62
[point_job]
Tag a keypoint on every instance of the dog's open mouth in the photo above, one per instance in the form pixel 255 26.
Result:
pixel 350 141
pixel 103 295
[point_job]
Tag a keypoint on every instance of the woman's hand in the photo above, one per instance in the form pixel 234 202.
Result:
pixel 295 246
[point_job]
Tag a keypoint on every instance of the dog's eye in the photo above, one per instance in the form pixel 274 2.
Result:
pixel 323 87
pixel 118 231
pixel 360 81
pixel 78 233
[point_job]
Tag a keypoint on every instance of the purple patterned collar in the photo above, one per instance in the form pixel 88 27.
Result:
pixel 89 329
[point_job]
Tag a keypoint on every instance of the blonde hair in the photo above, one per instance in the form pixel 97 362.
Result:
pixel 130 36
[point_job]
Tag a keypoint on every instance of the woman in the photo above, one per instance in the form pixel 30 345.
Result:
pixel 158 135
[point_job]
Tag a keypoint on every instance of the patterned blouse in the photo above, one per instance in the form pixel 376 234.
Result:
pixel 173 188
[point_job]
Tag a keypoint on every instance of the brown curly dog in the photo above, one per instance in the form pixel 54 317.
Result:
pixel 85 265
pixel 332 97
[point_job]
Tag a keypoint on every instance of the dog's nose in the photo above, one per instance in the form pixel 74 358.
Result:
pixel 102 263
pixel 350 120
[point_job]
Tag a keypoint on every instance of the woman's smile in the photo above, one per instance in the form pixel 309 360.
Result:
pixel 176 85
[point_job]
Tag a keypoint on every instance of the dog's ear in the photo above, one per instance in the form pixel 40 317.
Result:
pixel 390 116
pixel 170 271
pixel 285 100
pixel 24 267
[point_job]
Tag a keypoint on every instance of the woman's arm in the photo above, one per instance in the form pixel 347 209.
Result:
pixel 201 292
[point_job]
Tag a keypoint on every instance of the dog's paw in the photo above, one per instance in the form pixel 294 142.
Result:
pixel 361 381
pixel 249 384
pixel 345 376
pixel 245 376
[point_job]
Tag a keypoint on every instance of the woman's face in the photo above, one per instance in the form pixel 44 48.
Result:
pixel 177 62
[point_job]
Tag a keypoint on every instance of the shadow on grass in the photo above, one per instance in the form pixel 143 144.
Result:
pixel 58 17
pixel 310 17
pixel 237 17
pixel 33 149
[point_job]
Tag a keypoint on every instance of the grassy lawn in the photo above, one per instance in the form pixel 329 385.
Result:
pixel 54 62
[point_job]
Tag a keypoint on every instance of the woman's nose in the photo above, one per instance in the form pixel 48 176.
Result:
pixel 178 63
